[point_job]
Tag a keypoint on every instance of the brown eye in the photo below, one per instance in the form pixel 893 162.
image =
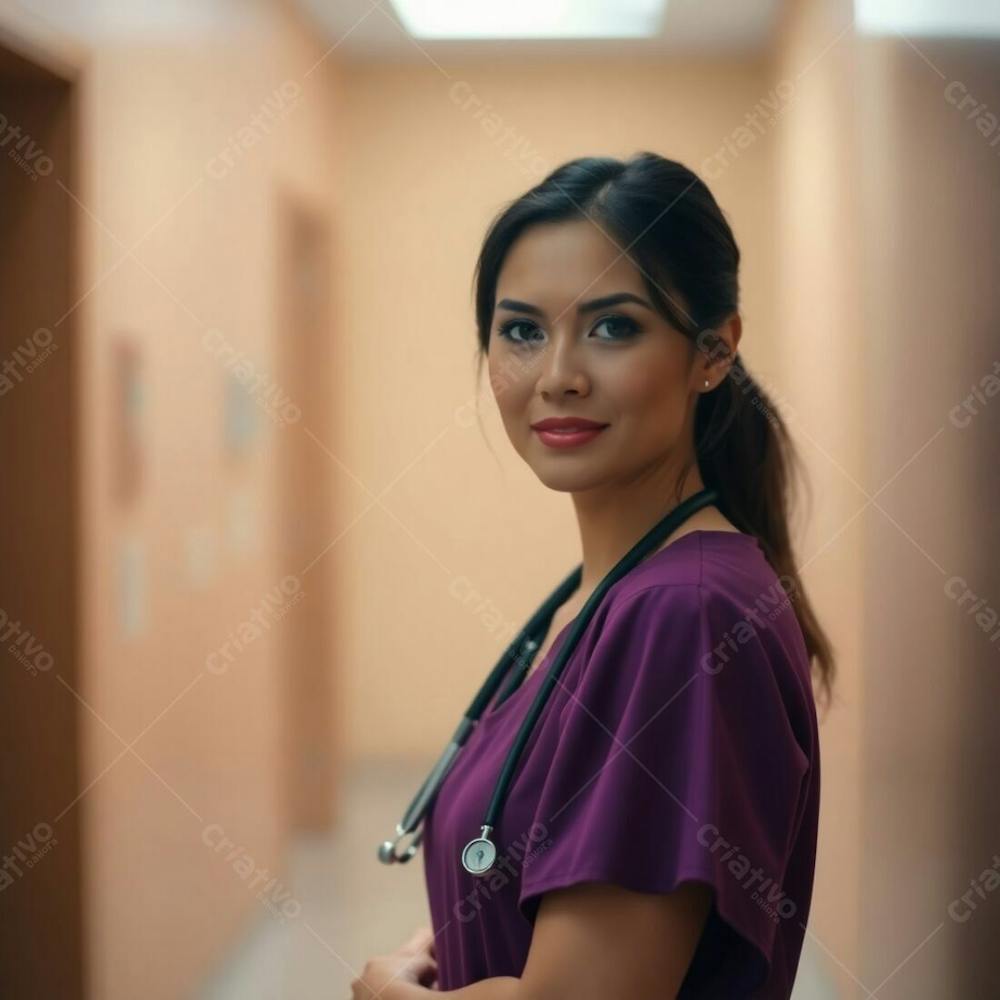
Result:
pixel 625 327
pixel 506 330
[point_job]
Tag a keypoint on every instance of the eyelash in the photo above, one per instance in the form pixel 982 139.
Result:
pixel 632 328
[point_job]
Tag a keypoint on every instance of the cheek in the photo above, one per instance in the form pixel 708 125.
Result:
pixel 644 389
pixel 511 389
pixel 650 398
pixel 498 381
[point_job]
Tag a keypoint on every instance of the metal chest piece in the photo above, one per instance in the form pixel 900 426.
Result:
pixel 479 854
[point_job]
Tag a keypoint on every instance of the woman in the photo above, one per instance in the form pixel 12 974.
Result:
pixel 659 836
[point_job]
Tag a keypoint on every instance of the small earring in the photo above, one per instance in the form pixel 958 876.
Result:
pixel 706 383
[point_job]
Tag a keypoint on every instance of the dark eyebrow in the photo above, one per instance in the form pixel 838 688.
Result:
pixel 584 307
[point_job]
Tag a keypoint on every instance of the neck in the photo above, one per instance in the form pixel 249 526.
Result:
pixel 611 521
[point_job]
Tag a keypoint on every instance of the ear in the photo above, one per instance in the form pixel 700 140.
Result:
pixel 717 351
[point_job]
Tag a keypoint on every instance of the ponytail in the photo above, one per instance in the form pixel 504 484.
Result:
pixel 744 451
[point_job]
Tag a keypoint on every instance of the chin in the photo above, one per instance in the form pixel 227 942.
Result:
pixel 567 480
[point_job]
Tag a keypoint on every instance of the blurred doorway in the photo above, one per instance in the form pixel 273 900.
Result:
pixel 305 507
pixel 41 948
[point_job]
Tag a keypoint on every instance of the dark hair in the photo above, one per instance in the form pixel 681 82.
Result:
pixel 667 222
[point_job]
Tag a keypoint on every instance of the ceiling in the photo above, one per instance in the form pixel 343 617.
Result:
pixel 370 30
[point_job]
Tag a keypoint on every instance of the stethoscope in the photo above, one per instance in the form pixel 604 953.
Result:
pixel 479 853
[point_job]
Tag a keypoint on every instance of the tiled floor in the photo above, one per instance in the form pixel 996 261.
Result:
pixel 352 906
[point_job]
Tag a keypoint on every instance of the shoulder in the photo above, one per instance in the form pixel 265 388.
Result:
pixel 706 615
pixel 720 571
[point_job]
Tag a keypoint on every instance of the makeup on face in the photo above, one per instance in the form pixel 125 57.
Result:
pixel 567 432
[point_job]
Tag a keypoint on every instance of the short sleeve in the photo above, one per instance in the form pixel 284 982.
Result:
pixel 676 761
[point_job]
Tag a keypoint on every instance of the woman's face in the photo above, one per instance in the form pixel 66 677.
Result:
pixel 555 353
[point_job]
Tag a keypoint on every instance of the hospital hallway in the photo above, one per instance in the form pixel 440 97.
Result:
pixel 264 531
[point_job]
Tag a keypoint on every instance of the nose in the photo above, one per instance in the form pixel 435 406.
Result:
pixel 562 370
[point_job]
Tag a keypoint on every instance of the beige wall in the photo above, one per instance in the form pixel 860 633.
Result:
pixel 889 213
pixel 932 235
pixel 154 118
pixel 822 338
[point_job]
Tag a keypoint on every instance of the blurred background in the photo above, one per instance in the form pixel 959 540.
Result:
pixel 263 533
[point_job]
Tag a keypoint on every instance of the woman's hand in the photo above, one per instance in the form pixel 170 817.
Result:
pixel 414 963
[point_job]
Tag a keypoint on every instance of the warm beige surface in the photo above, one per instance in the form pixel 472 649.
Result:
pixel 888 222
pixel 821 333
pixel 930 747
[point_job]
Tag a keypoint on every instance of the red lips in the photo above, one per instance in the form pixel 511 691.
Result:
pixel 567 424
pixel 567 432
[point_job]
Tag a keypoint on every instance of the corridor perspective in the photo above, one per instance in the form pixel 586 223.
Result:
pixel 265 531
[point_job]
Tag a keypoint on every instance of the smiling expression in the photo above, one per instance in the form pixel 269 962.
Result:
pixel 575 335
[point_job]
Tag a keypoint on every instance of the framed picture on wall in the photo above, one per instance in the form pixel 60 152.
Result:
pixel 128 419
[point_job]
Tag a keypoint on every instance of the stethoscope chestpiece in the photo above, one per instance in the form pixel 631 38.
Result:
pixel 388 849
pixel 479 854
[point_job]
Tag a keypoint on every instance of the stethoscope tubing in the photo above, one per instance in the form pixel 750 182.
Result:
pixel 628 562
pixel 520 654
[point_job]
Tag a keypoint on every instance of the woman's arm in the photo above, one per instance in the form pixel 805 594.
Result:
pixel 597 941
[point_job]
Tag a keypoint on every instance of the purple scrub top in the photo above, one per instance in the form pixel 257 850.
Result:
pixel 680 743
